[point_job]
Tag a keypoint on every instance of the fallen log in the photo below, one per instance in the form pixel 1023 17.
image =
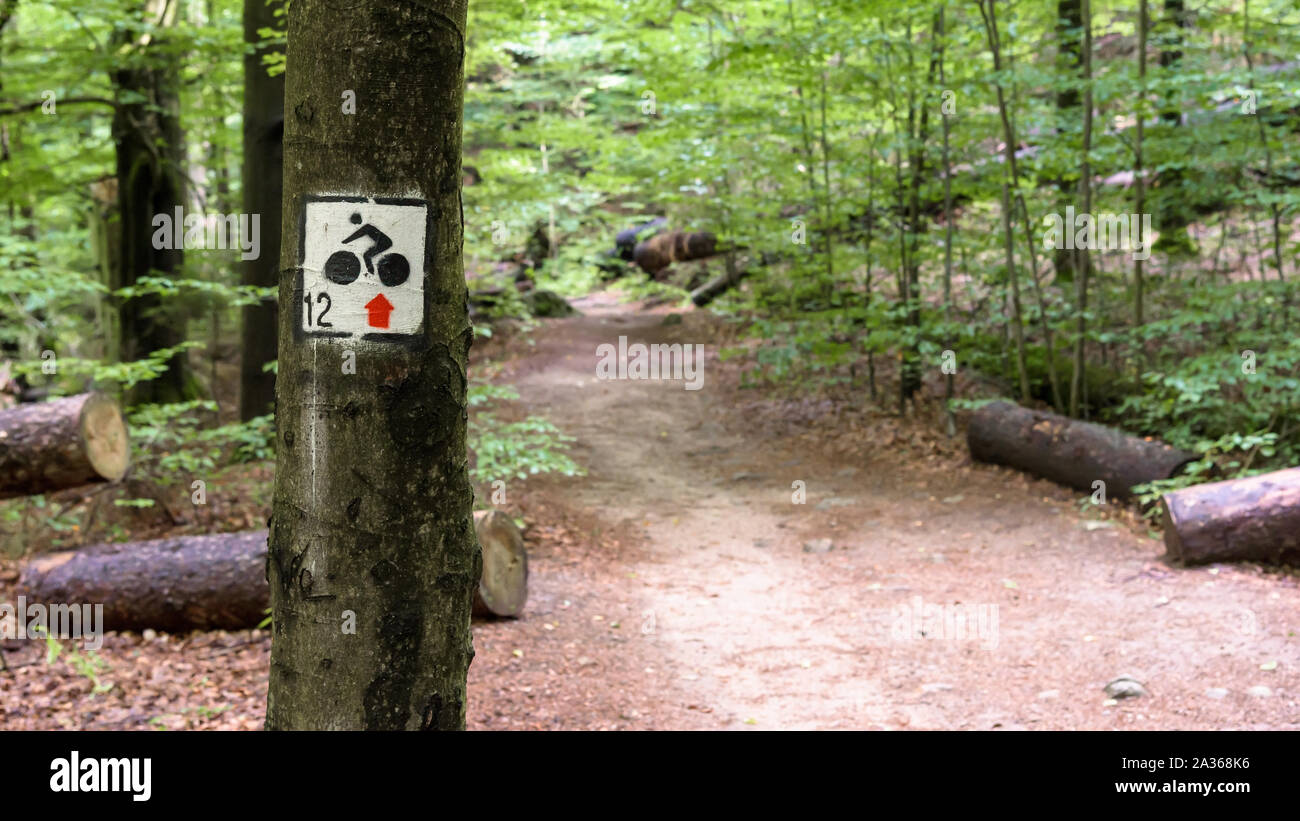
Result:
pixel 1251 519
pixel 218 582
pixel 715 288
pixel 61 444
pixel 1068 451
pixel 183 583
pixel 662 250
pixel 503 587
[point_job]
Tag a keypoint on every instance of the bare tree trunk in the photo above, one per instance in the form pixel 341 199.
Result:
pixel 1069 23
pixel 373 561
pixel 950 424
pixel 1172 215
pixel 991 34
pixel 1263 141
pixel 150 155
pixel 262 176
pixel 1082 264
pixel 1138 172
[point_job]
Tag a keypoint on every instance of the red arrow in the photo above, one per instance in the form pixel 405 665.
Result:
pixel 379 309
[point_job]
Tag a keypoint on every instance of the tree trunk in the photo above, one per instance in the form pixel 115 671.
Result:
pixel 185 583
pixel 1082 257
pixel 503 589
pixel 373 561
pixel 990 16
pixel 263 170
pixel 1251 519
pixel 1069 61
pixel 1172 215
pixel 1069 452
pixel 1139 175
pixel 61 444
pixel 950 422
pixel 150 154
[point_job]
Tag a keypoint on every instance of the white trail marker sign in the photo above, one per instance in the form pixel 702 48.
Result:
pixel 363 268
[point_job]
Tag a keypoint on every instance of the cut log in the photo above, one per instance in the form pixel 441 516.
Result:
pixel 503 587
pixel 218 582
pixel 662 250
pixel 1251 519
pixel 1068 451
pixel 713 289
pixel 61 444
pixel 178 584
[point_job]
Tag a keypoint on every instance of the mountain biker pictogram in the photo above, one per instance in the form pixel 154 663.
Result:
pixel 343 267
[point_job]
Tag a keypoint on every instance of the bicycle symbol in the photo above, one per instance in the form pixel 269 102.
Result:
pixel 343 267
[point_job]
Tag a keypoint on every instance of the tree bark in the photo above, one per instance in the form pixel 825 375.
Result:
pixel 371 524
pixel 1069 452
pixel 1251 519
pixel 61 444
pixel 263 190
pixel 186 583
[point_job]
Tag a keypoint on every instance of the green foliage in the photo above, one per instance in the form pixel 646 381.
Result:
pixel 170 442
pixel 513 449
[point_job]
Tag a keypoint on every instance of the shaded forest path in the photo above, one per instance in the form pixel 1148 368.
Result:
pixel 726 609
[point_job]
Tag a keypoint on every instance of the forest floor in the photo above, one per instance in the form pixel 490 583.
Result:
pixel 679 586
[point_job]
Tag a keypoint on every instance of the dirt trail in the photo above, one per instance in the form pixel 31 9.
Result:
pixel 732 614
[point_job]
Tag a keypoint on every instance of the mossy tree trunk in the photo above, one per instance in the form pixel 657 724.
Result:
pixel 371 528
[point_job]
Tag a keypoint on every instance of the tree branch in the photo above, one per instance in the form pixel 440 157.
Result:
pixel 19 109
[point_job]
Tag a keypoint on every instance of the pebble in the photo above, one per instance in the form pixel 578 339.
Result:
pixel 1260 692
pixel 1216 692
pixel 1125 687
pixel 818 546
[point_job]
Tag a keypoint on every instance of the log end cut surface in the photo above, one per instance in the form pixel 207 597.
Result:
pixel 104 432
pixel 504 586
